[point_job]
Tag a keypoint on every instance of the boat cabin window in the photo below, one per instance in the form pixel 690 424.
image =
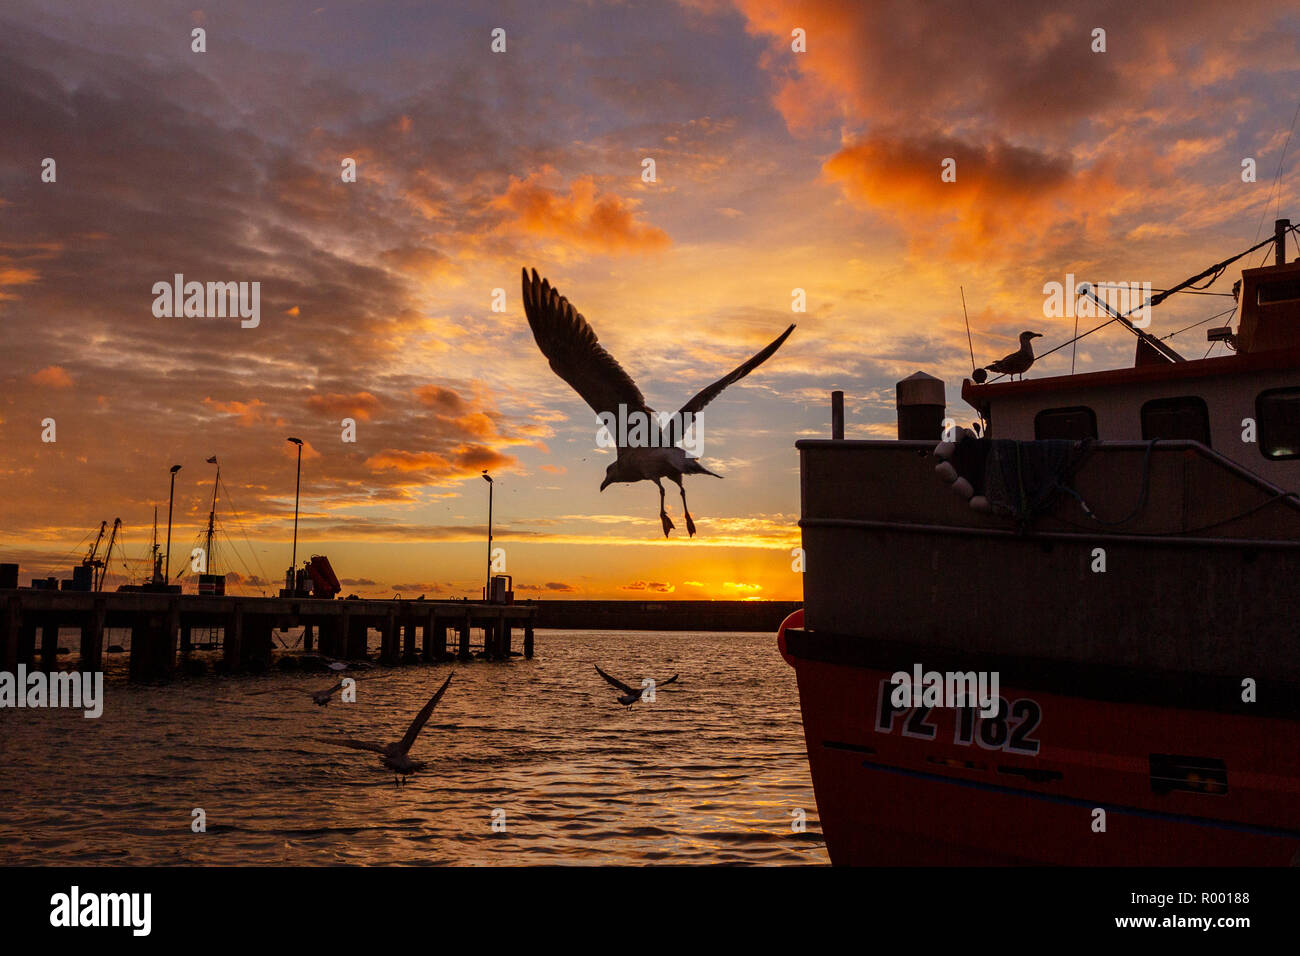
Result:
pixel 1185 418
pixel 1271 292
pixel 1074 423
pixel 1277 413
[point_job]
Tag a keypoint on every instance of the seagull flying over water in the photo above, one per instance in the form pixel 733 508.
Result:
pixel 396 756
pixel 571 347
pixel 1017 363
pixel 320 698
pixel 631 694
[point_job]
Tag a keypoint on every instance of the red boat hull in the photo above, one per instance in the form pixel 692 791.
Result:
pixel 897 787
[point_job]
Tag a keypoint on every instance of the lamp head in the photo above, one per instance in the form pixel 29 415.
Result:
pixel 296 441
pixel 175 468
pixel 487 477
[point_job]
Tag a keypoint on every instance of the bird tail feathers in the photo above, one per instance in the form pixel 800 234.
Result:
pixel 693 467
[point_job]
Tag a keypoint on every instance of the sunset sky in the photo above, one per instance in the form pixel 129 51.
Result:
pixel 776 170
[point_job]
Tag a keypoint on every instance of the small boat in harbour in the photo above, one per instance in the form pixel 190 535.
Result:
pixel 1117 574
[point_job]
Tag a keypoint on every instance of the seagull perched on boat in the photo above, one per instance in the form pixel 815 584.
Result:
pixel 571 347
pixel 1018 362
pixel 396 756
pixel 630 694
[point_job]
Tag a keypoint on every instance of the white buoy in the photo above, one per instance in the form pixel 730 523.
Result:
pixel 963 487
pixel 944 450
pixel 946 471
pixel 979 503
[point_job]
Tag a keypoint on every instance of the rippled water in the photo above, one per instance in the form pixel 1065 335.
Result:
pixel 709 773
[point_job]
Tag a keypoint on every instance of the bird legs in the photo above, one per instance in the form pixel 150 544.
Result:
pixel 690 524
pixel 663 512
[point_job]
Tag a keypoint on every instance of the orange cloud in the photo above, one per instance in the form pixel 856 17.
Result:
pixel 586 216
pixel 393 459
pixel 1001 191
pixel 466 460
pixel 248 413
pixel 14 275
pixel 53 376
pixel 358 405
pixel 444 399
pixel 662 587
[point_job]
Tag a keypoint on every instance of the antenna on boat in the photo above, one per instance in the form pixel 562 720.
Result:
pixel 1074 342
pixel 968 339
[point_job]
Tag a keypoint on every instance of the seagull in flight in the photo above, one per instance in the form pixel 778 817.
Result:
pixel 574 353
pixel 320 698
pixel 1017 363
pixel 396 756
pixel 631 694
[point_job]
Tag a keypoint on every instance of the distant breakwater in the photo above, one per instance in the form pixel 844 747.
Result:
pixel 664 615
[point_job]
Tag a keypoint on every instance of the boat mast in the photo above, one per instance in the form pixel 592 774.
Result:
pixel 156 578
pixel 108 555
pixel 212 517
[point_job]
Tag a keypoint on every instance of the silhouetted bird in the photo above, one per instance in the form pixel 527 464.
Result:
pixel 631 694
pixel 1018 362
pixel 320 698
pixel 395 756
pixel 571 347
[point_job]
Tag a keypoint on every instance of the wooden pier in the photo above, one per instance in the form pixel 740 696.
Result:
pixel 162 626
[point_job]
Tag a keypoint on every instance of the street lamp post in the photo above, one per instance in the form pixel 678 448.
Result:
pixel 297 488
pixel 171 498
pixel 487 587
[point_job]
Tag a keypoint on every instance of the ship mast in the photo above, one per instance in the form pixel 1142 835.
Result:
pixel 210 564
pixel 157 576
pixel 108 555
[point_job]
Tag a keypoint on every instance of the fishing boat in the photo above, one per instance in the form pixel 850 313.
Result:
pixel 1117 570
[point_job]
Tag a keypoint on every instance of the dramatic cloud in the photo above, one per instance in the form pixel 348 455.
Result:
pixel 662 587
pixel 360 405
pixel 393 300
pixel 52 376
pixel 598 220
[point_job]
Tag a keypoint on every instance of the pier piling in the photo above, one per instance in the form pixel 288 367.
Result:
pixel 388 640
pixel 10 628
pixel 464 639
pixel 92 638
pixel 163 625
pixel 232 645
pixel 50 648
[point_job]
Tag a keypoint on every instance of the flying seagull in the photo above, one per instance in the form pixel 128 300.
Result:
pixel 331 663
pixel 631 694
pixel 1017 363
pixel 320 698
pixel 395 756
pixel 571 347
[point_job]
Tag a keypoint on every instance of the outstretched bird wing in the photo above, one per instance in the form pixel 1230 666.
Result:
pixel 616 682
pixel 571 347
pixel 702 398
pixel 668 681
pixel 422 718
pixel 354 744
